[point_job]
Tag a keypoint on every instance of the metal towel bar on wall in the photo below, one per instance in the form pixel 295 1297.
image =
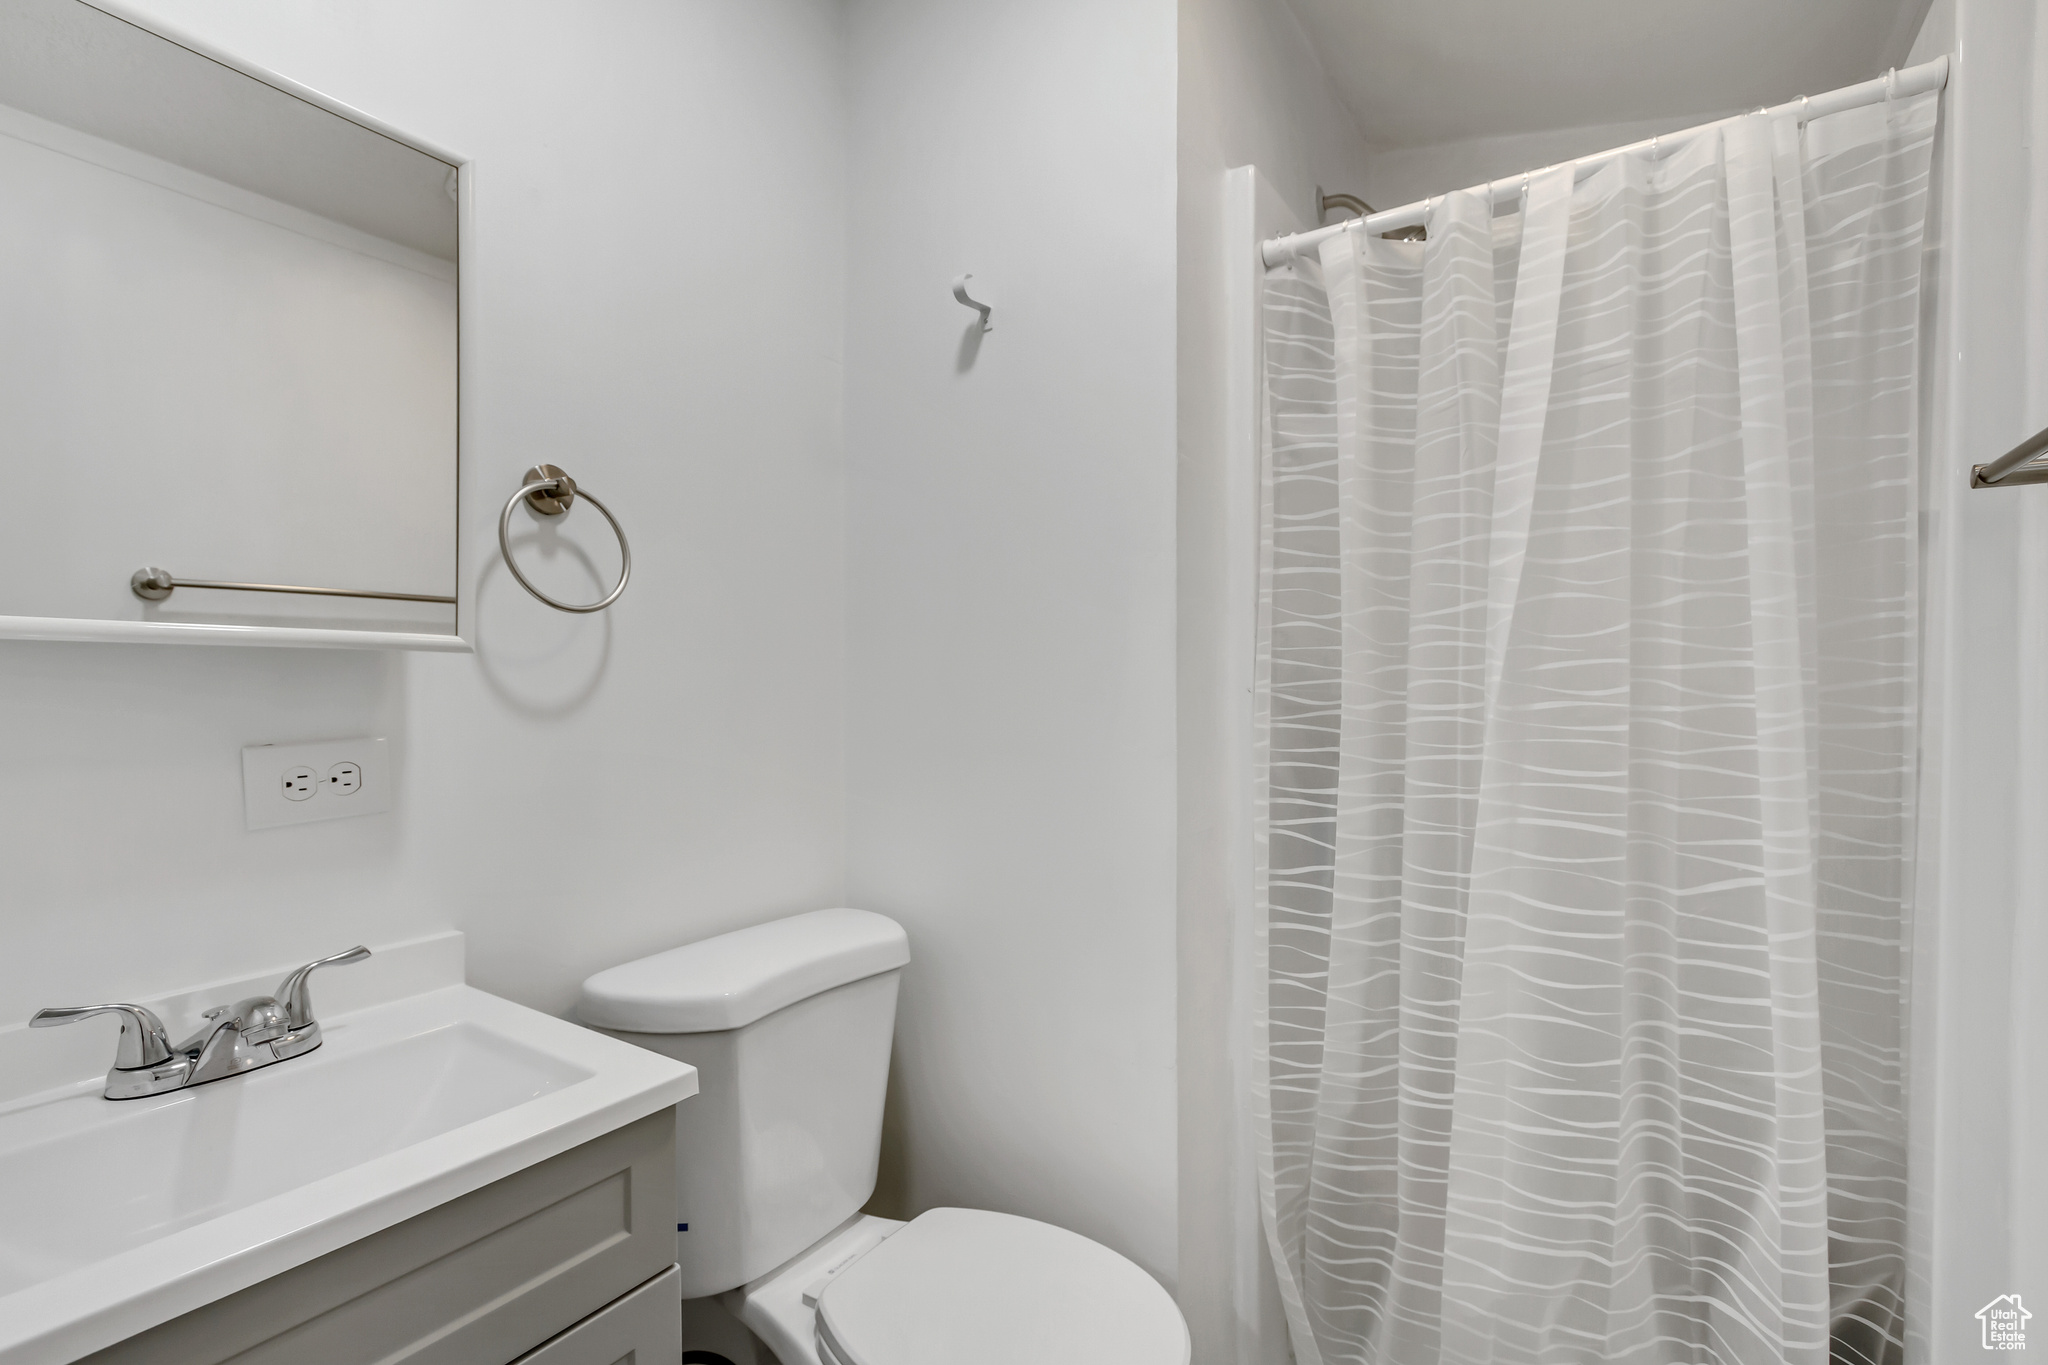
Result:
pixel 549 491
pixel 154 585
pixel 2011 469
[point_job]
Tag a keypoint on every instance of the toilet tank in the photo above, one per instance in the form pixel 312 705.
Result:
pixel 788 1024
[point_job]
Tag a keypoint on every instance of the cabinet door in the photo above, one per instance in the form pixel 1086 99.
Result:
pixel 481 1280
pixel 643 1328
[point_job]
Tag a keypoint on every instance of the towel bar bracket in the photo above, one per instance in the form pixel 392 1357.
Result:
pixel 2013 469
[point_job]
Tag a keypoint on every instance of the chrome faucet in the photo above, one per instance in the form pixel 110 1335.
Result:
pixel 241 1037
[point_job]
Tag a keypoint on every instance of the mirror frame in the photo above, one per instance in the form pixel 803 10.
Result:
pixel 84 629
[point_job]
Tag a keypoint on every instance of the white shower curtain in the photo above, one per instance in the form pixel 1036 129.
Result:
pixel 1585 715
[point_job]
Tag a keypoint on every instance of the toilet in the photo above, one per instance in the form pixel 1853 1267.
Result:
pixel 789 1025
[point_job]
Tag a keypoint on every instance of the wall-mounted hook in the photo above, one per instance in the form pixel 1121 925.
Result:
pixel 960 293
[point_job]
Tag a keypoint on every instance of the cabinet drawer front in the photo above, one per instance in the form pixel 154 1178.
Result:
pixel 644 1328
pixel 478 1281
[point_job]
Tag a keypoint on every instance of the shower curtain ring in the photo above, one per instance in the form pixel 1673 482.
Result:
pixel 1891 84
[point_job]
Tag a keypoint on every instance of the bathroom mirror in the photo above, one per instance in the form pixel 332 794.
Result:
pixel 228 348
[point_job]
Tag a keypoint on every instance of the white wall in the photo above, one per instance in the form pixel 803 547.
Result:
pixel 663 305
pixel 660 305
pixel 649 314
pixel 1011 598
pixel 1252 94
pixel 1979 949
pixel 2029 1120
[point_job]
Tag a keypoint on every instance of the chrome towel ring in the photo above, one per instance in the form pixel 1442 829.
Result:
pixel 549 491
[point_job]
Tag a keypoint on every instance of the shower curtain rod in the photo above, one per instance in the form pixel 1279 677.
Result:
pixel 1914 80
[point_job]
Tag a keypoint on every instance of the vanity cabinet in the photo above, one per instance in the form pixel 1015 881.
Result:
pixel 568 1262
pixel 643 1328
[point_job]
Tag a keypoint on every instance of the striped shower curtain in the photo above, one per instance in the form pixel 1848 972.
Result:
pixel 1586 726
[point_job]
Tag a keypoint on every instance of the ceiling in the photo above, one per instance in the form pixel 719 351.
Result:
pixel 1421 72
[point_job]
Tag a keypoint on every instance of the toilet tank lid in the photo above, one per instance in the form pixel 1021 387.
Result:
pixel 731 980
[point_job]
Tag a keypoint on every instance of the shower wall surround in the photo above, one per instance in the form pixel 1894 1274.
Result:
pixel 1979 1048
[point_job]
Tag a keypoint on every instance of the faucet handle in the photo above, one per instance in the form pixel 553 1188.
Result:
pixel 296 995
pixel 143 1043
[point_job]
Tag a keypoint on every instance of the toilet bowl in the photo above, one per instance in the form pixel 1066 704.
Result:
pixel 960 1285
pixel 789 1026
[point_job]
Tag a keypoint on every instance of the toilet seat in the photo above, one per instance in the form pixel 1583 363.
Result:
pixel 959 1285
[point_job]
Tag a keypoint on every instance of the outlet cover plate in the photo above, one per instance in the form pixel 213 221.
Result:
pixel 266 768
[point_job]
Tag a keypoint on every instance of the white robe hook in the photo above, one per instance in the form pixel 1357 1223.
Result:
pixel 960 293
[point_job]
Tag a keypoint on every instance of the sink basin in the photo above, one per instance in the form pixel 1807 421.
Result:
pixel 115 1216
pixel 75 1192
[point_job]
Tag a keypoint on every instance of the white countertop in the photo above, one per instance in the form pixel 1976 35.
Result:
pixel 119 1215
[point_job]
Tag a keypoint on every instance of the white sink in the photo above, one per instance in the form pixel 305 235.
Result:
pixel 118 1215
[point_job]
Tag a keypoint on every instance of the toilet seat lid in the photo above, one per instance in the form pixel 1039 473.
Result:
pixel 965 1284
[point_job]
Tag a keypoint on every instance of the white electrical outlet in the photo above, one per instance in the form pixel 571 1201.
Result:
pixel 292 784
